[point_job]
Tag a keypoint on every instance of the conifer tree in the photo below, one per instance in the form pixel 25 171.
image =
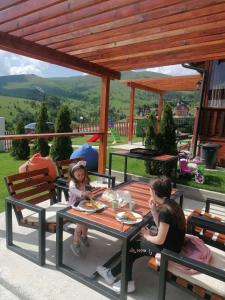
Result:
pixel 151 136
pixel 168 139
pixel 62 146
pixel 168 131
pixel 20 148
pixel 40 144
pixel 152 142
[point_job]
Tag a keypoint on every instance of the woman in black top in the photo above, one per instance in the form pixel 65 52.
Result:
pixel 169 218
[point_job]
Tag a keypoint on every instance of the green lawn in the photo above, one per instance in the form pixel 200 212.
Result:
pixel 214 180
pixel 83 140
pixel 9 166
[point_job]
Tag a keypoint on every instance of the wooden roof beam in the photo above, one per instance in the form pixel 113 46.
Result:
pixel 190 53
pixel 176 32
pixel 149 33
pixel 59 11
pixel 110 11
pixel 143 87
pixel 142 49
pixel 27 48
pixel 133 24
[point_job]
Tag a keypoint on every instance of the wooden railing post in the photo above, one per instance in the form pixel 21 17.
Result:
pixel 131 117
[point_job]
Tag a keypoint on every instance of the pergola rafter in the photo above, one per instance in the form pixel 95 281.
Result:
pixel 159 85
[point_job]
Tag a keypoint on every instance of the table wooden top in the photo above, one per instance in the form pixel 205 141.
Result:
pixel 162 157
pixel 139 193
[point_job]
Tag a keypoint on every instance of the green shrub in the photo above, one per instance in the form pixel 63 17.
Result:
pixel 164 142
pixel 40 144
pixel 62 146
pixel 20 148
pixel 152 141
pixel 168 131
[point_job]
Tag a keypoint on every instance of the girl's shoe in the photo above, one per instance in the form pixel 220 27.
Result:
pixel 84 241
pixel 75 249
pixel 130 286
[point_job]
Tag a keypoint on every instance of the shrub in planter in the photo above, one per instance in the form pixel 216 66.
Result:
pixel 164 141
pixel 168 137
pixel 152 141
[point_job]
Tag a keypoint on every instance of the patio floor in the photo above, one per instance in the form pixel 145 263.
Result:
pixel 22 279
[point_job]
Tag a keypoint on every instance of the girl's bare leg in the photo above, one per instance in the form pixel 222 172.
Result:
pixel 77 234
pixel 84 230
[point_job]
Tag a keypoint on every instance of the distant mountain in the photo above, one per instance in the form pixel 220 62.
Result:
pixel 77 87
pixel 20 95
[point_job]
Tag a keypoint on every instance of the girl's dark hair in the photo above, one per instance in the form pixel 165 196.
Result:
pixel 162 186
pixel 71 171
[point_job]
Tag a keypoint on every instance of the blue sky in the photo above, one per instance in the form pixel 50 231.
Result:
pixel 13 64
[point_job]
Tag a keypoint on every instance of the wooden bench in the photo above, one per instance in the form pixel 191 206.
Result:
pixel 197 285
pixel 26 191
pixel 62 181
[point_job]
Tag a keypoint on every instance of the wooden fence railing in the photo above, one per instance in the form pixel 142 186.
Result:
pixel 8 143
pixel 120 127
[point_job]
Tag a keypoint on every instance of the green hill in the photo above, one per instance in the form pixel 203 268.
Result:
pixel 20 94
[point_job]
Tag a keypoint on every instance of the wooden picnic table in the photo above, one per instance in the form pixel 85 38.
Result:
pixel 104 221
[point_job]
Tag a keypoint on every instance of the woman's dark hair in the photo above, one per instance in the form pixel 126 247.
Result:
pixel 71 171
pixel 161 186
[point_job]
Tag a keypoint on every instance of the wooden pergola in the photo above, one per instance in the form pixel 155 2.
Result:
pixel 159 85
pixel 105 37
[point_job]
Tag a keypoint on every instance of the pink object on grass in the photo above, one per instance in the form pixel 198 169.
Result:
pixel 184 168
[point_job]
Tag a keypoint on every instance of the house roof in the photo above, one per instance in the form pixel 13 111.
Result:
pixel 165 84
pixel 105 37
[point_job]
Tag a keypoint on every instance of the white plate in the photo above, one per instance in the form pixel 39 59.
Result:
pixel 120 218
pixel 82 207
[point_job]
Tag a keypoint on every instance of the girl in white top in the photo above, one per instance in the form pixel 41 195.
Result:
pixel 78 179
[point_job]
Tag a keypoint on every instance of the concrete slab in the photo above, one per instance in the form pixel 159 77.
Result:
pixel 22 279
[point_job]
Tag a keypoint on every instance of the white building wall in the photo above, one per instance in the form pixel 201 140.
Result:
pixel 2 132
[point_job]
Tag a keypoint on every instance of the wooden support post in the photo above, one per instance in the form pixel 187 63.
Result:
pixel 103 125
pixel 160 108
pixel 131 117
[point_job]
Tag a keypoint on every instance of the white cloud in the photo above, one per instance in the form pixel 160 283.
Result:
pixel 13 64
pixel 174 70
pixel 24 69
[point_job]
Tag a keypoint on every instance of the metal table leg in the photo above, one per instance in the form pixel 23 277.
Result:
pixel 125 169
pixel 110 163
pixel 59 241
pixel 123 292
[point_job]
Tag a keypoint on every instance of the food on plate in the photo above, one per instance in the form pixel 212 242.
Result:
pixel 90 205
pixel 128 215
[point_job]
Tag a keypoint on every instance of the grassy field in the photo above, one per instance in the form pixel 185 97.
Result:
pixel 10 107
pixel 8 166
pixel 214 180
pixel 82 140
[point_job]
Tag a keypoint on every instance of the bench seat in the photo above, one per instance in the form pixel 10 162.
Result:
pixel 50 216
pixel 203 285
